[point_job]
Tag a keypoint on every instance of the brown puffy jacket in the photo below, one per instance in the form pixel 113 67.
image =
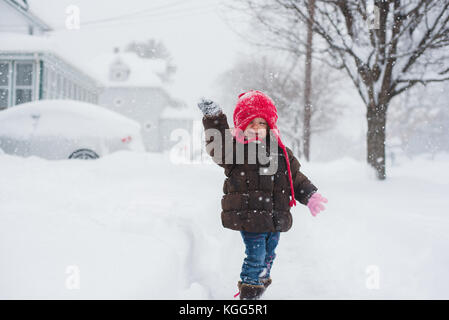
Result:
pixel 253 201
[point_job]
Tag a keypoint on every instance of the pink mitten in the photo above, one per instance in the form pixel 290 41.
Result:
pixel 315 205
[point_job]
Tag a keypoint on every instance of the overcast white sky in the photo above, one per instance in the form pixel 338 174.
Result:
pixel 199 40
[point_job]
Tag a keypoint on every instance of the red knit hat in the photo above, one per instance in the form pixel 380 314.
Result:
pixel 255 104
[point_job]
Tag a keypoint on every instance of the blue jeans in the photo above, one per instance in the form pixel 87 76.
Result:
pixel 259 255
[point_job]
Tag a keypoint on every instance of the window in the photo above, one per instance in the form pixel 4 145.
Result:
pixel 4 84
pixel 147 126
pixel 24 76
pixel 45 87
pixel 3 98
pixel 93 97
pixel 75 92
pixel 49 83
pixel 65 88
pixel 52 84
pixel 23 82
pixel 23 95
pixel 118 102
pixel 71 90
pixel 118 75
pixel 59 86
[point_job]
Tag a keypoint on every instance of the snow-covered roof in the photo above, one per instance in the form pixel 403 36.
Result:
pixel 23 43
pixel 23 8
pixel 143 72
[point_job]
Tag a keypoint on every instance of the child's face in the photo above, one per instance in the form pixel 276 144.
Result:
pixel 258 127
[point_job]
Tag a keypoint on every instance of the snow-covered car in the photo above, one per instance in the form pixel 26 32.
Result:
pixel 66 129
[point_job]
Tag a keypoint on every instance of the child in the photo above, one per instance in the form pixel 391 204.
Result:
pixel 256 202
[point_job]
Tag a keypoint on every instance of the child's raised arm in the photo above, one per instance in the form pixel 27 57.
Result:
pixel 216 125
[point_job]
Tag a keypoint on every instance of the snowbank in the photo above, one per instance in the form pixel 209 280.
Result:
pixel 133 225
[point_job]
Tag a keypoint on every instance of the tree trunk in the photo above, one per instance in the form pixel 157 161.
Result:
pixel 297 147
pixel 376 117
pixel 308 81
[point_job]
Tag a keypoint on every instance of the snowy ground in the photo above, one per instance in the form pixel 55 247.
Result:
pixel 137 226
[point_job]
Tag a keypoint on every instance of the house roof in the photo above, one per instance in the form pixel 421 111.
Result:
pixel 142 72
pixel 14 43
pixel 22 7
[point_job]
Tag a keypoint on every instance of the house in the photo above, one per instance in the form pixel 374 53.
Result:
pixel 135 87
pixel 34 67
pixel 31 65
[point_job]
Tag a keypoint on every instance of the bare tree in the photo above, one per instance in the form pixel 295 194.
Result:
pixel 418 124
pixel 386 49
pixel 150 49
pixel 154 49
pixel 308 79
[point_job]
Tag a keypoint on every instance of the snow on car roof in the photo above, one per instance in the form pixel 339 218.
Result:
pixel 66 118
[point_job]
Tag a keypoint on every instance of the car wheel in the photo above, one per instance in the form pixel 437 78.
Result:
pixel 85 154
